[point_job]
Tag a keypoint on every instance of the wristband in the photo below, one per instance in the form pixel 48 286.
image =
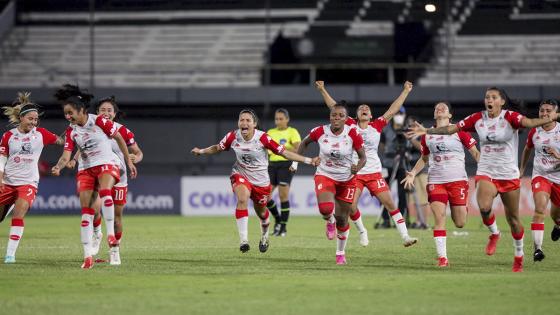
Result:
pixel 307 160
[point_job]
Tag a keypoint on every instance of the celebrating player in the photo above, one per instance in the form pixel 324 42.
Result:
pixel 249 177
pixel 370 175
pixel 98 166
pixel 335 183
pixel 20 149
pixel 546 174
pixel 447 178
pixel 497 171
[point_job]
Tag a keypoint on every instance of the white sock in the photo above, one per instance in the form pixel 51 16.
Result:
pixel 108 211
pixel 341 239
pixel 518 243
pixel 440 237
pixel 491 224
pixel 16 232
pixel 357 219
pixel 242 217
pixel 537 229
pixel 86 230
pixel 331 219
pixel 399 222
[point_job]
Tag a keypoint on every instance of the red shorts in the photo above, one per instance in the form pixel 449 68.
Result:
pixel 540 183
pixel 11 193
pixel 259 195
pixel 456 193
pixel 375 183
pixel 503 185
pixel 342 190
pixel 88 179
pixel 119 195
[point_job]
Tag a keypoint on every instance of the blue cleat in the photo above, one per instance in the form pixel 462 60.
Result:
pixel 10 259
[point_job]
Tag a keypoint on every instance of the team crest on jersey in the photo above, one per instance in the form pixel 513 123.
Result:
pixel 491 137
pixel 26 148
pixel 283 141
pixel 247 158
pixel 335 154
pixel 441 147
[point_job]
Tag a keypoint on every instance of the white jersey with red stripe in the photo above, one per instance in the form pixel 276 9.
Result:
pixel 446 156
pixel 94 142
pixel 128 137
pixel 23 151
pixel 252 155
pixel 499 140
pixel 336 151
pixel 544 164
pixel 371 136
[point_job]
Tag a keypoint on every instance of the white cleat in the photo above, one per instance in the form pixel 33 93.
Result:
pixel 114 256
pixel 364 241
pixel 409 241
pixel 96 242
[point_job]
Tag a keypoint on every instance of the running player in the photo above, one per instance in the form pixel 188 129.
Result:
pixel 370 175
pixel 279 169
pixel 447 178
pixel 20 149
pixel 497 172
pixel 98 166
pixel 249 176
pixel 335 183
pixel 546 174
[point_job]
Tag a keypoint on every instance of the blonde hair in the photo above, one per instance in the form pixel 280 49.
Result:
pixel 13 112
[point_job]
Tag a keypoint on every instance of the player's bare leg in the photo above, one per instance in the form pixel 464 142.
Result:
pixel 242 216
pixel 16 230
pixel 485 193
pixel 114 252
pixel 440 234
pixel 264 215
pixel 325 201
pixel 387 201
pixel 341 213
pixel 511 205
pixel 356 218
pixel 541 200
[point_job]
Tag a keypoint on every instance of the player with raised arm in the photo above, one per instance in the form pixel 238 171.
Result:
pixel 447 178
pixel 249 176
pixel 370 176
pixel 498 171
pixel 20 150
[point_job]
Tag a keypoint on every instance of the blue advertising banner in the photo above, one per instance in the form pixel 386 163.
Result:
pixel 146 195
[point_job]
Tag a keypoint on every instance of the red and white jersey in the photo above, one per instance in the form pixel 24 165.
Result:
pixel 544 164
pixel 371 136
pixel 446 156
pixel 128 137
pixel 94 141
pixel 499 140
pixel 23 151
pixel 336 151
pixel 252 157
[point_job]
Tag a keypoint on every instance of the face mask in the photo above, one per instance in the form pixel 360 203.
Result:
pixel 399 119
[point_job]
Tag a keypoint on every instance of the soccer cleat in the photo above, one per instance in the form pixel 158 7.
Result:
pixel 96 242
pixel 277 228
pixel 331 230
pixel 538 255
pixel 88 263
pixel 114 256
pixel 341 259
pixel 364 241
pixel 409 241
pixel 443 262
pixel 555 233
pixel 492 242
pixel 112 240
pixel 244 247
pixel 517 264
pixel 10 259
pixel 263 244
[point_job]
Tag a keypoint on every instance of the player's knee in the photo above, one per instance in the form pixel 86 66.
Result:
pixel 326 208
pixel 341 220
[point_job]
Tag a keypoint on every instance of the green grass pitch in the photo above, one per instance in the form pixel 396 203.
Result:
pixel 178 265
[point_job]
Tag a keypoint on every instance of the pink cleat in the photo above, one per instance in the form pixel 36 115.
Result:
pixel 331 230
pixel 88 263
pixel 112 240
pixel 341 259
pixel 492 242
pixel 517 264
pixel 443 262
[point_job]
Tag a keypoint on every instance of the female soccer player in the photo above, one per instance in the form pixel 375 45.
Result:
pixel 98 165
pixel 370 175
pixel 109 109
pixel 497 171
pixel 20 149
pixel 249 176
pixel 279 169
pixel 546 174
pixel 335 183
pixel 447 178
